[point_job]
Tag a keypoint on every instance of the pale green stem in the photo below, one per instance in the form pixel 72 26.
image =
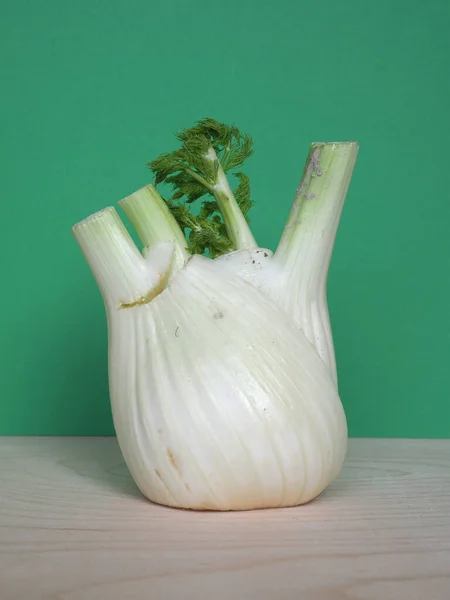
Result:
pixel 120 270
pixel 153 222
pixel 305 248
pixel 237 227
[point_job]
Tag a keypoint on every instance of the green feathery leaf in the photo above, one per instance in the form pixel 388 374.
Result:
pixel 192 172
pixel 242 193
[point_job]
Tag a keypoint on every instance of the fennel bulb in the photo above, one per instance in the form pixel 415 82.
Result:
pixel 222 371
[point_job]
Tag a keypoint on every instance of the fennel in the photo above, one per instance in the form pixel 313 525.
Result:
pixel 222 371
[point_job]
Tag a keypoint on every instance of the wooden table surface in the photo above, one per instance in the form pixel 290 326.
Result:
pixel 73 526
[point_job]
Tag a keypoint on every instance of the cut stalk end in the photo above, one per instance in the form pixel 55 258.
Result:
pixel 307 242
pixel 117 265
pixel 153 221
pixel 322 189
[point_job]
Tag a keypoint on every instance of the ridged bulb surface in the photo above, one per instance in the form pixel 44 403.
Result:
pixel 219 400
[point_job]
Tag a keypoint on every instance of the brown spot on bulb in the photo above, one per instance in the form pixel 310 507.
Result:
pixel 172 460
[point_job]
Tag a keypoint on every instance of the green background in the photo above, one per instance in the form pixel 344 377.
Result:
pixel 92 90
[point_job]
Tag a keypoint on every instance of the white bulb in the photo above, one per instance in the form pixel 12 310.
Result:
pixel 222 372
pixel 219 401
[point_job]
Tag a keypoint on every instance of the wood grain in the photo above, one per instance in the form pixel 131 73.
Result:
pixel 73 526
